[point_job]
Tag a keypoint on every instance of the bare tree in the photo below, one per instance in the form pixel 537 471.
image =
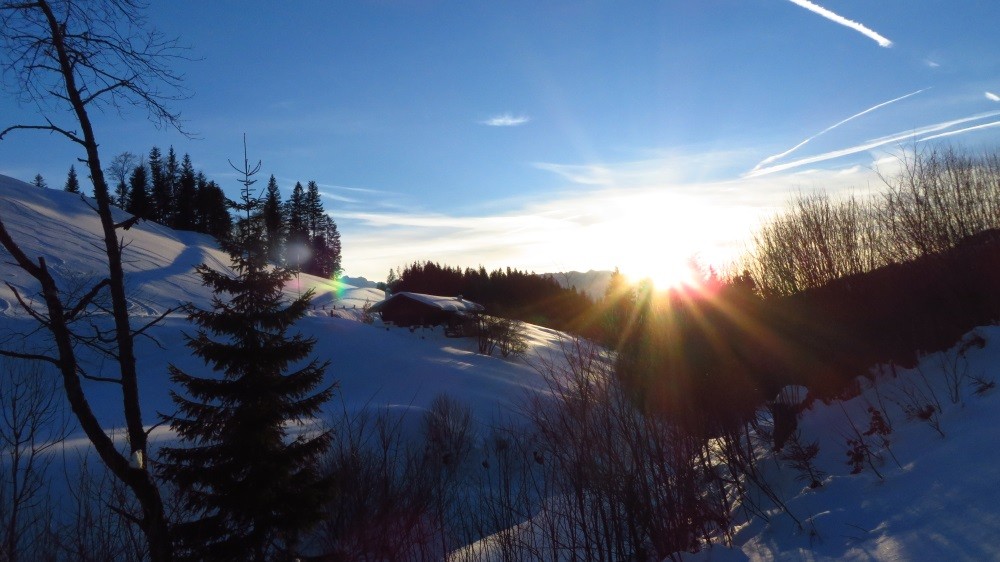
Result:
pixel 119 169
pixel 31 423
pixel 83 56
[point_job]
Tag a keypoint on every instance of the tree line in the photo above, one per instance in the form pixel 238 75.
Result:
pixel 298 233
pixel 511 293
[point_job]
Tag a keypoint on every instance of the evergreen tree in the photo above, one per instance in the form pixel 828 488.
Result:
pixel 39 181
pixel 313 210
pixel 138 193
pixel 186 197
pixel 251 488
pixel 212 212
pixel 160 197
pixel 274 222
pixel 171 178
pixel 325 260
pixel 297 241
pixel 72 183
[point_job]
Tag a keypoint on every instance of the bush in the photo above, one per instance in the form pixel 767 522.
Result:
pixel 494 332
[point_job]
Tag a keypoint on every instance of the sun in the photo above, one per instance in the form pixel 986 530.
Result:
pixel 661 239
pixel 668 238
pixel 665 275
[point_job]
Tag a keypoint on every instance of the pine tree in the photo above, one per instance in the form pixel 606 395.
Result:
pixel 138 193
pixel 212 210
pixel 39 181
pixel 250 487
pixel 325 260
pixel 313 209
pixel 72 183
pixel 274 222
pixel 160 197
pixel 171 179
pixel 297 240
pixel 185 197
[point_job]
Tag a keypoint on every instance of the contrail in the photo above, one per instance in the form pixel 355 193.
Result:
pixel 881 141
pixel 836 18
pixel 770 159
pixel 962 131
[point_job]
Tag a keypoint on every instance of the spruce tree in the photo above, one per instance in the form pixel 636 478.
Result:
pixel 251 488
pixel 186 196
pixel 160 196
pixel 39 181
pixel 325 260
pixel 274 222
pixel 138 193
pixel 72 183
pixel 212 213
pixel 313 209
pixel 297 241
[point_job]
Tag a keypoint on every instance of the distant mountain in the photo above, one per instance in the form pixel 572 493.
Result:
pixel 359 282
pixel 593 283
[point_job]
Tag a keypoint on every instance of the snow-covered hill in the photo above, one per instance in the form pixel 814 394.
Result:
pixel 374 366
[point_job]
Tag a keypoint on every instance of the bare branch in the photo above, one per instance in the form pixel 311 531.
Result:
pixel 87 299
pixel 42 320
pixel 155 321
pixel 71 135
pixel 29 356
pixel 98 379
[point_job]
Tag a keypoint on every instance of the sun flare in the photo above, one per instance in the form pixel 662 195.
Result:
pixel 660 237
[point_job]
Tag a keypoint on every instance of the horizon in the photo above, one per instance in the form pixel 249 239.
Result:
pixel 586 136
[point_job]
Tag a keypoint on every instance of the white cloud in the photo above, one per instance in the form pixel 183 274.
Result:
pixel 771 159
pixel 836 18
pixel 506 120
pixel 992 97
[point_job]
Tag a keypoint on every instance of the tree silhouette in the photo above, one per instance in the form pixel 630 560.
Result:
pixel 79 57
pixel 250 487
pixel 72 183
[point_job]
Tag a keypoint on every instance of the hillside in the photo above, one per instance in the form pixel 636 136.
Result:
pixel 928 494
pixel 374 367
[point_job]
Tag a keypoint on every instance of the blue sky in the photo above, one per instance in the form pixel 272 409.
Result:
pixel 560 135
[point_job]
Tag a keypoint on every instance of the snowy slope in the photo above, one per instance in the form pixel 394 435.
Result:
pixel 940 502
pixel 374 366
pixel 159 262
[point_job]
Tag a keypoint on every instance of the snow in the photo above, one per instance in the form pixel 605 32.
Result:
pixel 940 502
pixel 374 365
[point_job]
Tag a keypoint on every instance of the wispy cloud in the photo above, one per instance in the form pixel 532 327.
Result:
pixel 506 120
pixel 837 18
pixel 771 159
pixel 992 97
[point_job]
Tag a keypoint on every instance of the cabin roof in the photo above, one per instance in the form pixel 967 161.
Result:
pixel 449 304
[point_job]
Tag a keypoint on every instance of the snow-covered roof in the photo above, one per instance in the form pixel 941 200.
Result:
pixel 451 304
